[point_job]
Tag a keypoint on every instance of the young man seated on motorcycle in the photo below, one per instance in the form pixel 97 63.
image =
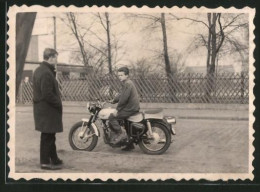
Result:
pixel 128 104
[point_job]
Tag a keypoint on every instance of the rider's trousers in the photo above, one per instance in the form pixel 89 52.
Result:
pixel 113 120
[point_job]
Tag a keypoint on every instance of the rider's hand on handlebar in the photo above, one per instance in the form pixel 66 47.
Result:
pixel 111 101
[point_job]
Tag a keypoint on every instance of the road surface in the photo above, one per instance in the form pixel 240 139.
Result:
pixel 200 146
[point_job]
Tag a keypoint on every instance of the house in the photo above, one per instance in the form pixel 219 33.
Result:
pixel 32 62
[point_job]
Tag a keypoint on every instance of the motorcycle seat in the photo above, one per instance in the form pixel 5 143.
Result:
pixel 153 114
pixel 136 117
pixel 153 111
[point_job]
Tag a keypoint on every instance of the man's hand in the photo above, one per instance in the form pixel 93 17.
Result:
pixel 111 101
pixel 115 113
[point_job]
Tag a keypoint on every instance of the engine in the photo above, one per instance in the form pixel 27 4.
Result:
pixel 138 126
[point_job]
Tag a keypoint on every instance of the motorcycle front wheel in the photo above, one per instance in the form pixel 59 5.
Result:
pixel 79 142
pixel 158 143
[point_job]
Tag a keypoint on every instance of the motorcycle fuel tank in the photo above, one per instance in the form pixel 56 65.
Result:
pixel 104 113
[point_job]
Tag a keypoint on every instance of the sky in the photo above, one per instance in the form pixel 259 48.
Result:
pixel 136 42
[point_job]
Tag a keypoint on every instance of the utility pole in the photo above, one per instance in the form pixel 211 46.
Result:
pixel 54 33
pixel 54 41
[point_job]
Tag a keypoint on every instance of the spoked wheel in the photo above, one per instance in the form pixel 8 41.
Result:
pixel 78 141
pixel 158 143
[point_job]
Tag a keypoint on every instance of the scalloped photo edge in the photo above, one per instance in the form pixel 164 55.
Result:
pixel 11 72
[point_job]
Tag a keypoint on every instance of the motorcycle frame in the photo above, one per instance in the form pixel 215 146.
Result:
pixel 127 124
pixel 130 131
pixel 86 120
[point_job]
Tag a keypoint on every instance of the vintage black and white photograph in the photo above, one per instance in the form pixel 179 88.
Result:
pixel 130 93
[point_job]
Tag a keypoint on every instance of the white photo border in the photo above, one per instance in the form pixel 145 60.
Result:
pixel 124 176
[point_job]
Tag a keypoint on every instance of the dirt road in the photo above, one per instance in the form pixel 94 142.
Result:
pixel 200 146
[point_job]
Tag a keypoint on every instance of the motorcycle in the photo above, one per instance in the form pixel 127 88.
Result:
pixel 149 129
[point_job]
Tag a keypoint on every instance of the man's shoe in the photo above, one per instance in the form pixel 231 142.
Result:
pixel 46 166
pixel 57 162
pixel 50 166
pixel 129 147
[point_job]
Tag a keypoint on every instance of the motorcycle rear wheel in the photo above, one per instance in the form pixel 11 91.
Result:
pixel 160 143
pixel 77 143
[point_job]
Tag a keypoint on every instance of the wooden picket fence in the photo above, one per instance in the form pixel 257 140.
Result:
pixel 178 88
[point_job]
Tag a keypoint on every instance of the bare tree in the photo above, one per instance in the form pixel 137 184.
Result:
pixel 143 67
pixel 214 41
pixel 165 46
pixel 89 54
pixel 218 35
pixel 80 38
pixel 97 49
pixel 107 26
pixel 157 21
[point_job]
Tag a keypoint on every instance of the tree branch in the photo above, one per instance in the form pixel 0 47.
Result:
pixel 229 32
pixel 233 20
pixel 186 18
pixel 96 48
pixel 72 19
pixel 101 21
pixel 144 16
pixel 93 33
pixel 203 39
pixel 221 32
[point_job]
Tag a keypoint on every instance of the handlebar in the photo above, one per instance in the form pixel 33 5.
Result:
pixel 99 103
pixel 104 102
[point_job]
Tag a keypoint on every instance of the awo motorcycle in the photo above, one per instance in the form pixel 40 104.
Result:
pixel 149 129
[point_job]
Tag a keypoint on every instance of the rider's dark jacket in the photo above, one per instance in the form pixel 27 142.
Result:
pixel 128 99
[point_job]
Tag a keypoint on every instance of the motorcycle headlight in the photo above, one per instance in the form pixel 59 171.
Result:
pixel 91 107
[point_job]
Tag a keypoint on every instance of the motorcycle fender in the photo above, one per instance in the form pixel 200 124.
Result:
pixel 96 130
pixel 162 122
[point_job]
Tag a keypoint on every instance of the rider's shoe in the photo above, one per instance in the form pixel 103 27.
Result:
pixel 129 147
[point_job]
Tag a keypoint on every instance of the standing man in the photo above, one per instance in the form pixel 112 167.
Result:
pixel 128 104
pixel 47 109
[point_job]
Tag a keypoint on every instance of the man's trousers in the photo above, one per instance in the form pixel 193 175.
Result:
pixel 48 151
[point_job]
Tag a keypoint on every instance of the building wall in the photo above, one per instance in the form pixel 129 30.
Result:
pixel 33 50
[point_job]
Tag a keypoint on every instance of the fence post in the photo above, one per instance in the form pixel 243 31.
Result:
pixel 242 87
pixel 189 87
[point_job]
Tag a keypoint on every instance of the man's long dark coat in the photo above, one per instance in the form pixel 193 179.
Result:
pixel 47 105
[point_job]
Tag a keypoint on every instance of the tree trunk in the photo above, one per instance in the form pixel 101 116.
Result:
pixel 211 58
pixel 165 46
pixel 108 43
pixel 213 49
pixel 214 45
pixel 209 43
pixel 79 39
pixel 109 56
pixel 168 70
